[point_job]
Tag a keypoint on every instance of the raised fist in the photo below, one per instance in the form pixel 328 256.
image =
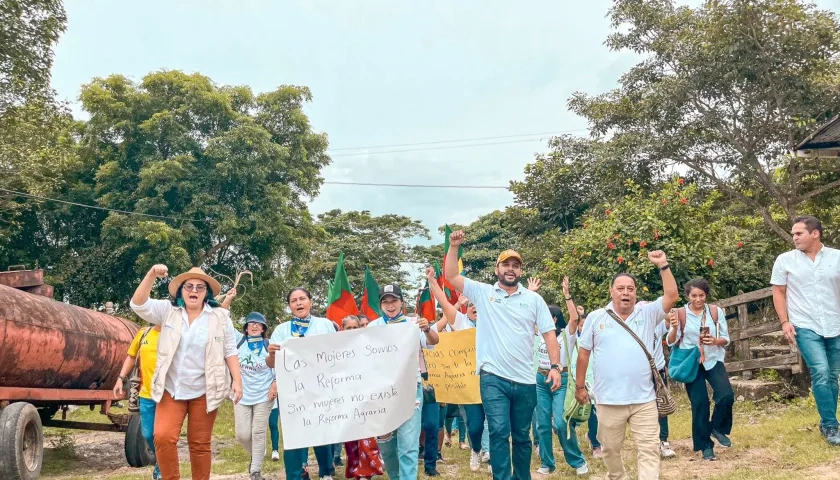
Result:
pixel 658 258
pixel 430 274
pixel 159 271
pixel 457 238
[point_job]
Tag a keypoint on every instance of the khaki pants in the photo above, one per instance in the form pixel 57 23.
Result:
pixel 251 423
pixel 612 428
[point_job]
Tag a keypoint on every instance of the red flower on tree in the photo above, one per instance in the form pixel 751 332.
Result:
pixel 607 211
pixel 665 202
pixel 656 234
pixel 711 263
pixel 681 181
pixel 611 246
pixel 740 244
pixel 683 200
pixel 620 259
pixel 643 244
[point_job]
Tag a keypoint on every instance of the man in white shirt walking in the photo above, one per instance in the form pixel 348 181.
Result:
pixel 624 384
pixel 504 348
pixel 806 294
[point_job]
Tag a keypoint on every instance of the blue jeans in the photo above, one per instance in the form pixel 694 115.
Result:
pixel 550 407
pixel 147 424
pixel 474 415
pixel 509 407
pixel 593 429
pixel 534 433
pixel 485 438
pixel 456 423
pixel 431 422
pixel 400 452
pixel 822 355
pixel 274 427
pixel 295 459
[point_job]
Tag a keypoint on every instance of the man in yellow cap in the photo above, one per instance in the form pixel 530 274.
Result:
pixel 504 346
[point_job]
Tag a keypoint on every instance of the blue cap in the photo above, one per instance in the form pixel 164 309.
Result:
pixel 256 317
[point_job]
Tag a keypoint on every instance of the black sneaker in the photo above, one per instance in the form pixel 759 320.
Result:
pixel 256 476
pixel 432 473
pixel 709 454
pixel 721 439
pixel 831 435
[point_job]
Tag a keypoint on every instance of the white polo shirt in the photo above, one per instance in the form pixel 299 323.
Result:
pixel 620 366
pixel 504 339
pixel 813 289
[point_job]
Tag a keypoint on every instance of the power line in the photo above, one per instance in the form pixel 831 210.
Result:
pixel 394 145
pixel 434 148
pixel 96 207
pixel 414 185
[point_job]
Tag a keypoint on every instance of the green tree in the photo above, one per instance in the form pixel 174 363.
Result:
pixel 379 242
pixel 223 175
pixel 727 90
pixel 28 31
pixel 700 239
pixel 576 173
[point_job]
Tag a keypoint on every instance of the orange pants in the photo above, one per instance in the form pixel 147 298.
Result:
pixel 169 419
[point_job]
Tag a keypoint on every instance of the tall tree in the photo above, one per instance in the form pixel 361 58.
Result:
pixel 727 89
pixel 222 174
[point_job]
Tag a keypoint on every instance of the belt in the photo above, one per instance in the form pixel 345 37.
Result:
pixel 544 372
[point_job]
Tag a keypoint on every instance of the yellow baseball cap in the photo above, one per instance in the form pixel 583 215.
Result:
pixel 507 255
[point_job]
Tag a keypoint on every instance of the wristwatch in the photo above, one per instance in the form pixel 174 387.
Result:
pixel 124 379
pixel 664 267
pixel 554 366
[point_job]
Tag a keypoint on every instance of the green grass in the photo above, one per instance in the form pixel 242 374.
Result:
pixel 773 441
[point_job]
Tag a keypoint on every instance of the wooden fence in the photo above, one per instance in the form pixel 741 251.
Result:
pixel 741 331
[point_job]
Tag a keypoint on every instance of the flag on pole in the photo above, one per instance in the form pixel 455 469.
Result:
pixel 370 297
pixel 341 301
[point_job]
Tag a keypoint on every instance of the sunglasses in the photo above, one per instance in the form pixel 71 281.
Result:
pixel 192 287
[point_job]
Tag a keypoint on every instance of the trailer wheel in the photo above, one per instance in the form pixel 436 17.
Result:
pixel 137 452
pixel 21 442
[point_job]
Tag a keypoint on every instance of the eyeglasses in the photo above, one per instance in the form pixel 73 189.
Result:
pixel 195 288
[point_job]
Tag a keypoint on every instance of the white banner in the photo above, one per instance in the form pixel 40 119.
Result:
pixel 348 385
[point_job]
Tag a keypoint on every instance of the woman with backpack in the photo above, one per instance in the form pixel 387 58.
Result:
pixel 701 328
pixel 251 414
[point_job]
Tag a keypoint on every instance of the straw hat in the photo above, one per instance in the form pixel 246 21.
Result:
pixel 194 273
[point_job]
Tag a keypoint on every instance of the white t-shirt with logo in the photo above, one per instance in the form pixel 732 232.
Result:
pixel 620 366
pixel 542 350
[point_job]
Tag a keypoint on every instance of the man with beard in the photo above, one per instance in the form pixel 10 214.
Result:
pixel 624 389
pixel 806 294
pixel 504 347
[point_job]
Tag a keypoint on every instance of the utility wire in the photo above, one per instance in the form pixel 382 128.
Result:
pixel 497 137
pixel 447 147
pixel 414 185
pixel 96 207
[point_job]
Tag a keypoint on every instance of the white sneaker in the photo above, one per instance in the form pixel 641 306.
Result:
pixel 582 470
pixel 543 471
pixel 327 477
pixel 475 461
pixel 665 450
pixel 275 456
pixel 486 457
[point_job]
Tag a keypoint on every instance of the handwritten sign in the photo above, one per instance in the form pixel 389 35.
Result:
pixel 348 385
pixel 451 368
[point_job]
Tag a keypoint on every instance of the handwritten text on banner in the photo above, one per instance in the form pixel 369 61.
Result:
pixel 452 368
pixel 347 385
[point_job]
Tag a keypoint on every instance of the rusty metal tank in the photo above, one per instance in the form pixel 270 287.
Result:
pixel 49 344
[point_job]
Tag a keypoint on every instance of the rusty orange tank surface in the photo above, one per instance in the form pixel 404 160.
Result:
pixel 49 344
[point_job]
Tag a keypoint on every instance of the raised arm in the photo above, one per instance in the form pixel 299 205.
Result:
pixel 449 310
pixel 141 295
pixel 450 270
pixel 229 296
pixel 670 292
pixel 574 315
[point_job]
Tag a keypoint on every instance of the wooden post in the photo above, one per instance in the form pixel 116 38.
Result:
pixel 744 345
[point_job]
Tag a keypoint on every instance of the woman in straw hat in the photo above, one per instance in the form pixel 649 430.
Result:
pixel 197 357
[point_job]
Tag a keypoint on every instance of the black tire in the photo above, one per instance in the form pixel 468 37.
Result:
pixel 137 452
pixel 21 442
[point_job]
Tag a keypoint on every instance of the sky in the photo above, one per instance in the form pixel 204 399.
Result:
pixel 382 72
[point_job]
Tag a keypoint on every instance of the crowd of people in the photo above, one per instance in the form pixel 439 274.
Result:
pixel 541 373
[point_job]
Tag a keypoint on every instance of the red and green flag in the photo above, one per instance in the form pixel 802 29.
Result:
pixel 426 304
pixel 370 297
pixel 341 301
